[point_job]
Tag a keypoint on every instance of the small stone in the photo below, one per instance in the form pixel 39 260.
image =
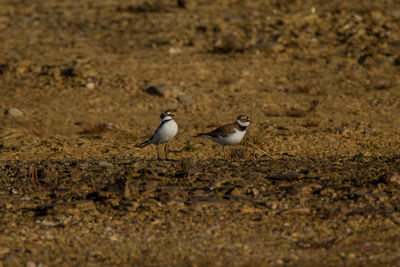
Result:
pixel 396 61
pixel 68 72
pixel 235 164
pixel 159 90
pixel 383 84
pixel 160 41
pixel 117 187
pixel 296 113
pixel 368 131
pixel 289 175
pixel 110 125
pixel 30 264
pixel 90 85
pixel 23 67
pixel 377 15
pixel 85 205
pixel 151 6
pixel 352 255
pixel 185 99
pixel 182 3
pixel 391 178
pixel 277 48
pixel 258 153
pixel 48 223
pixel 311 123
pixel 83 165
pixel 14 191
pixel 3 67
pixel 105 164
pixel 4 250
pixel 174 51
pixel 395 13
pixel 235 192
pixel 14 112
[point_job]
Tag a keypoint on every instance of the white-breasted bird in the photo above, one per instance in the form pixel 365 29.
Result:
pixel 229 134
pixel 164 133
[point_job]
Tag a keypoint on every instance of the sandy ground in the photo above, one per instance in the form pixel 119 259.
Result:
pixel 307 185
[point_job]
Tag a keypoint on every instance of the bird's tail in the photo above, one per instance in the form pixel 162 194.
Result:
pixel 204 135
pixel 145 143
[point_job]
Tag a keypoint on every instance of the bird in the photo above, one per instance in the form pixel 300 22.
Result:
pixel 163 134
pixel 229 134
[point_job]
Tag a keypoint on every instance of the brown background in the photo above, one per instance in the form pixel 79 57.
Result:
pixel 322 87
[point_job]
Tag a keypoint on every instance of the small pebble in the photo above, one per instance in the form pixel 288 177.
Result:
pixel 391 178
pixel 68 72
pixel 14 191
pixel 4 250
pixel 105 164
pixel 369 131
pixel 182 3
pixel 185 98
pixel 14 112
pixel 174 51
pixel 158 90
pixel 48 223
pixel 90 85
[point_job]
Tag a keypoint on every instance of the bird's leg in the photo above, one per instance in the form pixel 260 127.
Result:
pixel 223 150
pixel 158 153
pixel 166 151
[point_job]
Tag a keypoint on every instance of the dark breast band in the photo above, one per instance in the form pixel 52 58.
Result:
pixel 165 121
pixel 242 128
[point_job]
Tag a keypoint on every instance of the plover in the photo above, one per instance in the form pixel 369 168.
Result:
pixel 229 134
pixel 164 133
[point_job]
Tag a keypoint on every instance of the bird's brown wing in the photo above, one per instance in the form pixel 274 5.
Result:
pixel 223 130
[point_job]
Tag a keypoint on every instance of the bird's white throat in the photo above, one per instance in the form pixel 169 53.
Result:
pixel 242 124
pixel 166 118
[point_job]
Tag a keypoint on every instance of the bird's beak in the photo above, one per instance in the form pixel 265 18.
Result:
pixel 171 115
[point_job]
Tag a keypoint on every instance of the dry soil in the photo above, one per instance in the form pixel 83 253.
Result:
pixel 314 182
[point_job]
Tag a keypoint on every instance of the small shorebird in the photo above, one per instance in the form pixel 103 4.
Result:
pixel 229 134
pixel 164 133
